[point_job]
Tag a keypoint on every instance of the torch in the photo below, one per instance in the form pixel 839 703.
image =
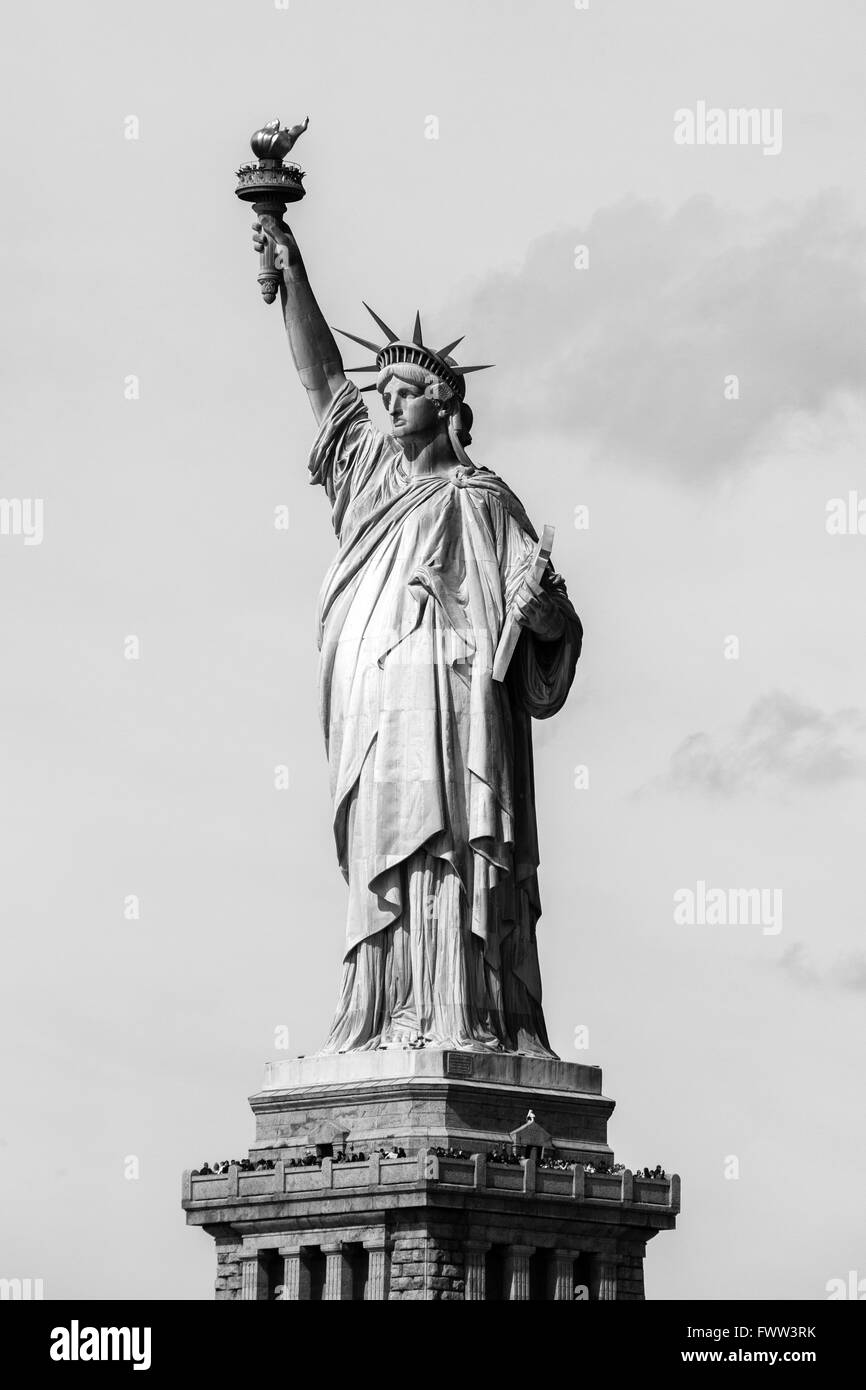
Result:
pixel 270 185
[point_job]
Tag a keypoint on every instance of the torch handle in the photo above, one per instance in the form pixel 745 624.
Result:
pixel 269 276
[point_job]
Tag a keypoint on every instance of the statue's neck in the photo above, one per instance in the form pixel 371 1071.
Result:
pixel 436 455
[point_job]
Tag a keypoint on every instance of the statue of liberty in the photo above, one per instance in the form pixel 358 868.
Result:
pixel 430 758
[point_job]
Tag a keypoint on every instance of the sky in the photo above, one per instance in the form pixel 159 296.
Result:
pixel 678 333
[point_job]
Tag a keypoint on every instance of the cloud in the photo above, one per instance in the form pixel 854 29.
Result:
pixel 781 742
pixel 629 357
pixel 847 972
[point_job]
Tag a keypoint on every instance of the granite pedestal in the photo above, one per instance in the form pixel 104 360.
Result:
pixel 430 1225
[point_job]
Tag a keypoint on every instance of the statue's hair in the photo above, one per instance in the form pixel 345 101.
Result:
pixel 422 379
pixel 406 371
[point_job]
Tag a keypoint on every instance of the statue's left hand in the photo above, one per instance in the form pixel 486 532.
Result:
pixel 534 608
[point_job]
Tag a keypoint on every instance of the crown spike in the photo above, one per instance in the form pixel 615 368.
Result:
pixel 449 347
pixel 364 342
pixel 373 368
pixel 367 388
pixel 461 371
pixel 416 332
pixel 389 333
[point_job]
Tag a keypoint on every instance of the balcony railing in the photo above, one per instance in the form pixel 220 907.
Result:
pixel 426 1167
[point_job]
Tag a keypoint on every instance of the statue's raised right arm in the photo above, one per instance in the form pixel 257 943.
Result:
pixel 314 348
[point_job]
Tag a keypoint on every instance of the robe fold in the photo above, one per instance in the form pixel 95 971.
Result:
pixel 430 759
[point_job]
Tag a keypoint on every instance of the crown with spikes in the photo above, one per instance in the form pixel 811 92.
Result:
pixel 438 361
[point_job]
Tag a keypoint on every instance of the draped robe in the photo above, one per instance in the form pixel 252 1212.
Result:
pixel 430 759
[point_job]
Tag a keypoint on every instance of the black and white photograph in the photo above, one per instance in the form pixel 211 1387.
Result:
pixel 433 539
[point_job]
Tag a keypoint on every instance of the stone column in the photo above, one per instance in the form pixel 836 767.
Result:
pixel 229 1278
pixel 605 1277
pixel 629 1275
pixel 517 1271
pixel 338 1272
pixel 296 1276
pixel 377 1270
pixel 475 1252
pixel 562 1275
pixel 254 1285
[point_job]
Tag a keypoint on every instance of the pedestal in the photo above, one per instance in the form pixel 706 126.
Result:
pixel 466 1211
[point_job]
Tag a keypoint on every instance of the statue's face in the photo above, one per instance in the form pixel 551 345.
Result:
pixel 412 414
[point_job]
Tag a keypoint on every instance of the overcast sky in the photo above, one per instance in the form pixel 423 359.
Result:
pixel 706 522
